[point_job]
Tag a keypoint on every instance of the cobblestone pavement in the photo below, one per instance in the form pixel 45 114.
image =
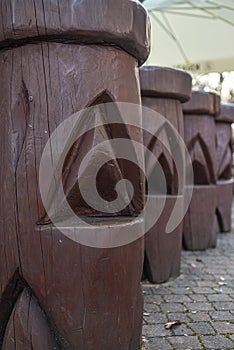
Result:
pixel 202 298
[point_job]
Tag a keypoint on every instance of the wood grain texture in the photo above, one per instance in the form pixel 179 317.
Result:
pixel 92 296
pixel 124 23
pixel 200 225
pixel 165 82
pixel 224 204
pixel 200 142
pixel 203 102
pixel 199 231
pixel 28 327
pixel 224 151
pixel 162 90
pixel 226 113
pixel 163 250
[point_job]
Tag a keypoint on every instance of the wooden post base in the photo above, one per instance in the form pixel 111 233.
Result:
pixel 163 250
pixel 199 223
pixel 224 204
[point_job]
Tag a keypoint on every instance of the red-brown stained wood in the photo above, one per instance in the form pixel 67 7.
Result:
pixel 163 250
pixel 224 171
pixel 92 297
pixel 72 21
pixel 163 90
pixel 28 327
pixel 224 205
pixel 200 227
pixel 199 231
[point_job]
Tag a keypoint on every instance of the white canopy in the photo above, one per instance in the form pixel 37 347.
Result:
pixel 196 35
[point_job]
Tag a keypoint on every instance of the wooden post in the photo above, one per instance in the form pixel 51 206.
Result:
pixel 224 170
pixel 164 90
pixel 56 58
pixel 199 121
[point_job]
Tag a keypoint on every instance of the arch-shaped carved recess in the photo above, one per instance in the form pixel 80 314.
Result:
pixel 23 322
pixel 157 183
pixel 225 162
pixel 28 326
pixel 8 300
pixel 164 157
pixel 109 175
pixel 200 173
pixel 219 220
pixel 203 167
pixel 147 273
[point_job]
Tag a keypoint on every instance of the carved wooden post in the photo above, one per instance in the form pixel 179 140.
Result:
pixel 224 170
pixel 164 90
pixel 199 122
pixel 56 58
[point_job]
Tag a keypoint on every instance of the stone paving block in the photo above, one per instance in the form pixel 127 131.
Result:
pixel 149 299
pixel 199 316
pixel 182 330
pixel 203 290
pixel 221 315
pixel 202 328
pixel 217 342
pixel 155 318
pixel 207 284
pixel 159 344
pixel 197 306
pixel 161 290
pixel 167 307
pixel 155 298
pixel 182 316
pixel 188 343
pixel 219 297
pixel 226 290
pixel 223 305
pixel 157 330
pixel 182 290
pixel 177 298
pixel 185 283
pixel 198 297
pixel 151 307
pixel 224 327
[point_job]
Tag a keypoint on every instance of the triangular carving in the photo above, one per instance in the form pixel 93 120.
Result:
pixel 29 327
pixel 23 322
pixel 202 161
pixel 200 173
pixel 109 175
pixel 162 150
pixel 219 220
pixel 225 163
pixel 156 182
pixel 8 300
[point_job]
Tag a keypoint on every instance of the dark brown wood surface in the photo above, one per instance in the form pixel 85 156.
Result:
pixel 163 250
pixel 224 170
pixel 200 226
pixel 52 288
pixel 224 205
pixel 163 90
pixel 199 231
pixel 165 82
pixel 125 25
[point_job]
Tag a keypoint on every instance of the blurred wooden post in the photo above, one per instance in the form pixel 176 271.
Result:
pixel 57 58
pixel 163 90
pixel 200 229
pixel 224 170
